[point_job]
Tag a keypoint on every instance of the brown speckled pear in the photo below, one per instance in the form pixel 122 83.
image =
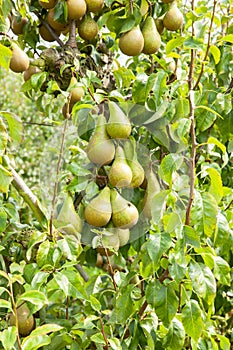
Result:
pixel 88 28
pixel 76 8
pixel 26 323
pixel 95 6
pixel 124 213
pixel 120 174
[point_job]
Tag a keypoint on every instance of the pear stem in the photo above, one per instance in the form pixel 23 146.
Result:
pixel 131 6
pixel 72 35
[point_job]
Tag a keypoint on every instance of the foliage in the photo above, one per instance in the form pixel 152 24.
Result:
pixel 170 286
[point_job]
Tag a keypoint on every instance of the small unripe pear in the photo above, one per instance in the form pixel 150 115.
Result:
pixel 46 35
pixel 17 24
pixel 26 323
pixel 152 40
pixel 19 60
pixel 173 19
pixel 47 4
pixel 98 212
pixel 131 43
pixel 30 71
pixel 88 29
pixel 54 23
pixel 77 92
pixel 120 174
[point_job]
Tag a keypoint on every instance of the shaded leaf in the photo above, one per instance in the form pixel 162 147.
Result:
pixel 192 320
pixel 174 339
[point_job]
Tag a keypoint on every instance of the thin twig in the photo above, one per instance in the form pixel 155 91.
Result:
pixel 40 124
pixel 104 334
pixel 50 29
pixel 58 168
pixel 131 6
pixel 208 46
pixel 72 35
pixel 5 34
pixel 83 273
pixel 109 264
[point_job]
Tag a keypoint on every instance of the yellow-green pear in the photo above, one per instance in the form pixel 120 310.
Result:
pixel 152 39
pixel 46 35
pixel 159 24
pixel 54 23
pixel 26 322
pixel 122 234
pixel 152 189
pixel 76 8
pixel 76 92
pixel 100 149
pixel 118 126
pixel 98 212
pixel 17 24
pixel 120 174
pixel 124 213
pixel 136 168
pixel 95 6
pixel 88 28
pixel 19 61
pixel 67 221
pixel 173 19
pixel 131 43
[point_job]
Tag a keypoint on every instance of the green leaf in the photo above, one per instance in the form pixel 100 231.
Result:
pixel 222 270
pixel 115 343
pixel 210 211
pixel 228 38
pixel 191 236
pixel 216 53
pixel 193 43
pixel 5 179
pixel 163 299
pixel 124 305
pixel 169 164
pixel 216 187
pixel 62 282
pixel 209 110
pixel 158 206
pixel 192 320
pixel 5 304
pixel 158 114
pixel 95 304
pixel 45 329
pixel 37 237
pixel 15 127
pixel 98 338
pixel 157 246
pixel 35 342
pixel 8 338
pixel 173 43
pixel 35 297
pixel 3 220
pixel 142 87
pixel 203 281
pixel 5 56
pixel 224 342
pixel 174 339
pixel 43 253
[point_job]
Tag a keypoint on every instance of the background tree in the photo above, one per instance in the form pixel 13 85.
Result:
pixel 116 237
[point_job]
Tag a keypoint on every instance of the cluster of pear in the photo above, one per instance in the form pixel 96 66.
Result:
pixel 111 146
pixel 79 10
pixel 148 40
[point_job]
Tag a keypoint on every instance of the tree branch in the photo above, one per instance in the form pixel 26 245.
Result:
pixel 25 192
pixel 72 35
pixel 50 30
pixel 207 48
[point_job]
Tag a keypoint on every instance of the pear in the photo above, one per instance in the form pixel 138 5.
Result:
pixel 167 1
pixel 30 71
pixel 110 242
pixel 152 189
pixel 118 126
pixel 95 6
pixel 98 212
pixel 47 4
pixel 136 168
pixel 124 213
pixel 88 28
pixel 152 40
pixel 46 35
pixel 131 43
pixel 173 19
pixel 159 24
pixel 120 174
pixel 54 23
pixel 100 149
pixel 17 24
pixel 19 61
pixel 76 93
pixel 26 323
pixel 76 8
pixel 67 220
pixel 123 235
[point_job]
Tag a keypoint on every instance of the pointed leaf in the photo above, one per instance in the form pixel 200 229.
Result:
pixel 3 138
pixel 15 127
pixel 35 297
pixel 8 338
pixel 45 329
pixel 5 56
pixel 216 187
pixel 192 320
pixel 35 342
pixel 5 179
pixel 174 339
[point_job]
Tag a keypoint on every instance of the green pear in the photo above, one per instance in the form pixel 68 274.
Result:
pixel 100 149
pixel 136 168
pixel 159 24
pixel 19 61
pixel 17 24
pixel 152 189
pixel 120 174
pixel 118 126
pixel 98 212
pixel 131 43
pixel 173 19
pixel 88 28
pixel 77 92
pixel 67 220
pixel 30 72
pixel 26 322
pixel 76 8
pixel 123 234
pixel 152 39
pixel 124 213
